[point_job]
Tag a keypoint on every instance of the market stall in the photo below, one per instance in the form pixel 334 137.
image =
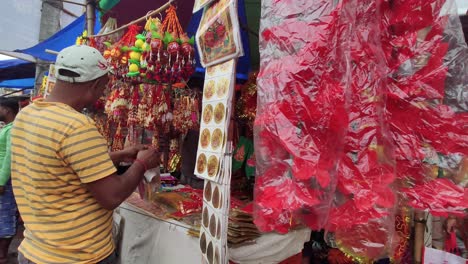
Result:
pixel 151 101
pixel 354 126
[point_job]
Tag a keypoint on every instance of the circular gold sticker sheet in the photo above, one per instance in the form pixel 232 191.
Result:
pixel 205 138
pixel 201 163
pixel 209 90
pixel 213 164
pixel 219 113
pixel 207 114
pixel 217 139
pixel 222 87
pixel 211 70
pixel 224 68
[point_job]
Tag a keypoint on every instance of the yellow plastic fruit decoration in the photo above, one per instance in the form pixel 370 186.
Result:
pixel 107 54
pixel 144 47
pixel 124 60
pixel 135 55
pixel 139 43
pixel 115 53
pixel 133 68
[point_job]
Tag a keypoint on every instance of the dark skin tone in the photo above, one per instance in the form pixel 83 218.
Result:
pixel 110 191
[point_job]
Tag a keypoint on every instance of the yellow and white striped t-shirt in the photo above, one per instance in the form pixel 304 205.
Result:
pixel 55 152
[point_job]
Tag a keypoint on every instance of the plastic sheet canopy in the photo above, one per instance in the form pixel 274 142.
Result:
pixel 362 112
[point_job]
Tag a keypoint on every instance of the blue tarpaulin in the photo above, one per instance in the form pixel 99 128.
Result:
pixel 16 69
pixel 12 63
pixel 243 65
pixel 60 40
pixel 18 83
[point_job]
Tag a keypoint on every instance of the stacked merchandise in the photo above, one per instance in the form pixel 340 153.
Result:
pixel 362 115
pixel 241 227
pixel 218 40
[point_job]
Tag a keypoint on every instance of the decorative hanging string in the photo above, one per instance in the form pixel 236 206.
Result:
pixel 171 24
pixel 150 14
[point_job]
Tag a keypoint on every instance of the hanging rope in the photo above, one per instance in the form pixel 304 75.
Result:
pixel 150 14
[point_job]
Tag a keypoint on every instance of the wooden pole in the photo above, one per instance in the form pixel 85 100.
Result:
pixel 419 227
pixel 90 16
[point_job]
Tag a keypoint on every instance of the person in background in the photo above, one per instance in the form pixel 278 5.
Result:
pixel 8 220
pixel 189 159
pixel 189 149
pixel 63 176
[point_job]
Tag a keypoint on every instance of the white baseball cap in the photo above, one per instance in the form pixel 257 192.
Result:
pixel 80 63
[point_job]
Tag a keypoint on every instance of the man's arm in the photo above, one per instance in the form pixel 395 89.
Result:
pixel 85 152
pixel 111 191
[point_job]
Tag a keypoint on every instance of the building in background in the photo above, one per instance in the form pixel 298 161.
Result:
pixel 20 21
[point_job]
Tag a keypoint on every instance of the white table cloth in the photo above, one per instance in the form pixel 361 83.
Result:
pixel 146 239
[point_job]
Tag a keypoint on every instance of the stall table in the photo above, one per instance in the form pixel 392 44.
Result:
pixel 148 238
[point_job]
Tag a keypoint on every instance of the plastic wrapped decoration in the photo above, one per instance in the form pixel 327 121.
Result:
pixel 427 103
pixel 399 119
pixel 363 210
pixel 301 116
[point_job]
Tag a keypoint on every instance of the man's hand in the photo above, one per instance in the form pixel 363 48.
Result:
pixel 128 154
pixel 131 153
pixel 150 157
pixel 111 191
pixel 2 190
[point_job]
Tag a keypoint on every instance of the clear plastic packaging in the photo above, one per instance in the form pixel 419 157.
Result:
pixel 359 103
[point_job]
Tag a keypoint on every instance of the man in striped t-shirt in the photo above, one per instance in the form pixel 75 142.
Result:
pixel 63 177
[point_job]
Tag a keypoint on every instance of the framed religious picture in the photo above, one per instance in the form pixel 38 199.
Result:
pixel 218 36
